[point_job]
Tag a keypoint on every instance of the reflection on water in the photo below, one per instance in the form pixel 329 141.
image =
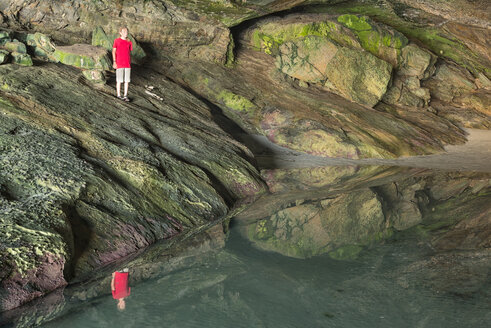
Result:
pixel 348 208
pixel 357 247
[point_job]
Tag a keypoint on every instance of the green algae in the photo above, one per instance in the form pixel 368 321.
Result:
pixel 21 59
pixel 354 22
pixel 230 56
pixel 438 41
pixel 236 102
pixel 347 252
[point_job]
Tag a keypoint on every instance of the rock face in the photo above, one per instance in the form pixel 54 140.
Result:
pixel 78 189
pixel 329 50
pixel 86 180
pixel 258 97
pixel 356 75
pixel 460 97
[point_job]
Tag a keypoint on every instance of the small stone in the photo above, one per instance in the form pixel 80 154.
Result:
pixel 21 59
pixel 303 84
pixel 95 76
pixel 4 56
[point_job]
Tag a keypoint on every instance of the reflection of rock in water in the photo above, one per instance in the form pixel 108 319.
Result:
pixel 350 208
pixel 311 229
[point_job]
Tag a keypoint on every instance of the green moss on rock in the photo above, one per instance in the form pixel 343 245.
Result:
pixel 21 59
pixel 15 46
pixel 354 22
pixel 83 56
pixel 41 45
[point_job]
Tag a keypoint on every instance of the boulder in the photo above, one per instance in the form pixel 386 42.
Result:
pixel 316 49
pixel 100 38
pixel 15 46
pixel 417 62
pixel 83 56
pixel 460 97
pixel 357 75
pixel 4 36
pixel 21 59
pixel 41 45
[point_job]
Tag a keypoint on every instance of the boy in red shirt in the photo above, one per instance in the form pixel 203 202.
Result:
pixel 122 48
pixel 120 288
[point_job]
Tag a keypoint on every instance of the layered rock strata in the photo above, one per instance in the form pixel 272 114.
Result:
pixel 86 179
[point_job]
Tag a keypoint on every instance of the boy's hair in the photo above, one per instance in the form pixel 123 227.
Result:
pixel 122 28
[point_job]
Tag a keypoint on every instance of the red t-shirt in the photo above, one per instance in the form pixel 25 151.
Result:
pixel 121 288
pixel 123 49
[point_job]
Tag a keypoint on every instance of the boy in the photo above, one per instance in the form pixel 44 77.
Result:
pixel 122 62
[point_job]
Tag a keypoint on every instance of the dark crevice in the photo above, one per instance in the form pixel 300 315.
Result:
pixel 6 194
pixel 81 234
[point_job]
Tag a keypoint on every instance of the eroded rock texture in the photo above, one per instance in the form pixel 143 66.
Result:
pixel 86 179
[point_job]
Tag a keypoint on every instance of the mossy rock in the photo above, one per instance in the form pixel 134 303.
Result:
pixel 380 40
pixel 346 30
pixel 21 59
pixel 100 38
pixel 83 56
pixel 15 46
pixel 4 37
pixel 356 75
pixel 4 56
pixel 41 45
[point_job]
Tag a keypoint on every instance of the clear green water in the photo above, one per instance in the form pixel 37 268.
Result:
pixel 425 260
pixel 240 286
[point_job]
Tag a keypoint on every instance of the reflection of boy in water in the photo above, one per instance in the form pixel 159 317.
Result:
pixel 120 288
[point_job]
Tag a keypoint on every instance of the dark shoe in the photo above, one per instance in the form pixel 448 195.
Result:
pixel 126 99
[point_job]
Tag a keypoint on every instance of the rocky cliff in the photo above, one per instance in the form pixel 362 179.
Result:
pixel 85 179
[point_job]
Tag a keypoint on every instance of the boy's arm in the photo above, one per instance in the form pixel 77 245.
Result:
pixel 112 282
pixel 114 59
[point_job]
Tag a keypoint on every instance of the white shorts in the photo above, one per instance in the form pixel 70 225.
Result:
pixel 123 75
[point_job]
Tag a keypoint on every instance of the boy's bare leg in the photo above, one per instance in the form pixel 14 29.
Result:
pixel 126 88
pixel 118 88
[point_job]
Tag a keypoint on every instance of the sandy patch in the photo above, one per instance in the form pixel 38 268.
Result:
pixel 475 155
